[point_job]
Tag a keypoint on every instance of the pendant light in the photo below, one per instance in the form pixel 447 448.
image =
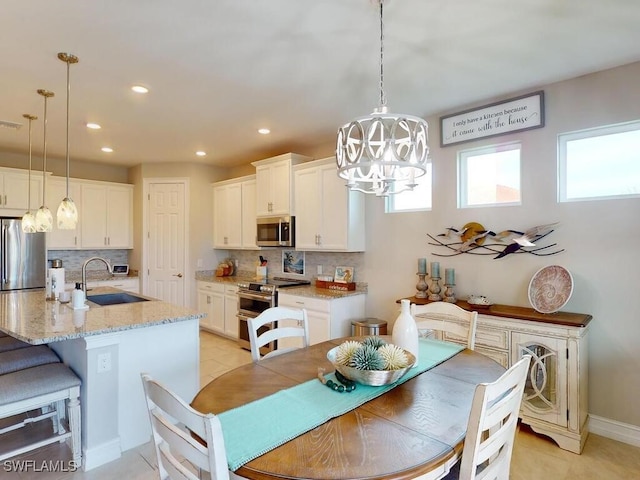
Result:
pixel 382 153
pixel 67 214
pixel 28 219
pixel 44 219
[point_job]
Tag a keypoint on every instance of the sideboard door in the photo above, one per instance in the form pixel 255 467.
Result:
pixel 545 393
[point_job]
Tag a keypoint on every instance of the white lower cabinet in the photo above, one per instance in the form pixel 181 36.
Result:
pixel 220 302
pixel 555 396
pixel 328 318
pixel 230 311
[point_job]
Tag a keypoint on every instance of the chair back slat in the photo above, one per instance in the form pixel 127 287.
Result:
pixel 492 425
pixel 274 317
pixel 173 422
pixel 447 317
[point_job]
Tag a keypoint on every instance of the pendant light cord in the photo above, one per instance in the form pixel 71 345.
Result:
pixel 44 152
pixel 383 100
pixel 29 188
pixel 68 90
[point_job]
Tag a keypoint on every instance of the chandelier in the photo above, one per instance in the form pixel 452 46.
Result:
pixel 67 214
pixel 382 153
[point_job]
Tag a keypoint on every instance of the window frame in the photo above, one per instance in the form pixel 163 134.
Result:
pixel 462 174
pixel 601 131
pixel 389 205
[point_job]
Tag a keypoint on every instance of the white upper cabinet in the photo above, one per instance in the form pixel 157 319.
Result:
pixel 106 216
pixel 234 218
pixel 249 214
pixel 274 184
pixel 57 190
pixel 14 190
pixel 329 217
pixel 227 215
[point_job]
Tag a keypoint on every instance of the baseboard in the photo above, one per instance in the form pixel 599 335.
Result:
pixel 101 454
pixel 622 432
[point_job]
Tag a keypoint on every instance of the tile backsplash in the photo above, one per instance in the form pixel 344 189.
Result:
pixel 248 260
pixel 72 260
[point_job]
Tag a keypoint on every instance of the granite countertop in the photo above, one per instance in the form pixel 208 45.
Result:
pixel 303 291
pixel 28 316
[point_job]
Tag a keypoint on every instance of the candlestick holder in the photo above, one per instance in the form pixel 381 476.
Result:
pixel 421 286
pixel 449 296
pixel 435 290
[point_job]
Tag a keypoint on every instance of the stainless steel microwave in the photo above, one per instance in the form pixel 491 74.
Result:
pixel 276 231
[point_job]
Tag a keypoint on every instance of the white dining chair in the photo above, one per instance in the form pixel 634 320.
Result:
pixel 447 317
pixel 173 441
pixel 282 325
pixel 491 429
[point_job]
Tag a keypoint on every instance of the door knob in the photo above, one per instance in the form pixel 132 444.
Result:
pixel 179 275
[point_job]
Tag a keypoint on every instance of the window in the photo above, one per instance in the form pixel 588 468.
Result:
pixel 599 163
pixel 415 200
pixel 489 176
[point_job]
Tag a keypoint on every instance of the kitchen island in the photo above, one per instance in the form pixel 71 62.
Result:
pixel 108 347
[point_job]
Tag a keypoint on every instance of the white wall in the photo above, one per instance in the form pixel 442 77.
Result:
pixel 600 237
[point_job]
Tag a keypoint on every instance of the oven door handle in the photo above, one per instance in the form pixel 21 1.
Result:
pixel 255 296
pixel 245 316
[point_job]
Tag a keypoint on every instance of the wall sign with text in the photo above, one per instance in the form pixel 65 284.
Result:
pixel 508 116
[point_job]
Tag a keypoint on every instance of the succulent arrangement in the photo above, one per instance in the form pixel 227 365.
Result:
pixel 373 353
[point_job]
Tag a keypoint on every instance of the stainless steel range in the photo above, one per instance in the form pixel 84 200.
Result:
pixel 254 298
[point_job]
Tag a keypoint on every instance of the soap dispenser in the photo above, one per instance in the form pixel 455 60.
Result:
pixel 78 296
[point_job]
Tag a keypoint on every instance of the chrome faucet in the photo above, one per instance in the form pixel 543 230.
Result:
pixel 84 270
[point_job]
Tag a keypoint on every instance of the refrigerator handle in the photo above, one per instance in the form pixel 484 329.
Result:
pixel 4 254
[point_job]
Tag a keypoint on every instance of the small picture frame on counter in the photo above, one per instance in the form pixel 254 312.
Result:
pixel 343 274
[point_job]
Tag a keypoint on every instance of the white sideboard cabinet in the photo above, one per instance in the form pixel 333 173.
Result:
pixel 556 393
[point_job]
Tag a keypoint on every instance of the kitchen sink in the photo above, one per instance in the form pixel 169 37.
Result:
pixel 115 298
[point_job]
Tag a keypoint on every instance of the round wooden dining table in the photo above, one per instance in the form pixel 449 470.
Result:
pixel 417 428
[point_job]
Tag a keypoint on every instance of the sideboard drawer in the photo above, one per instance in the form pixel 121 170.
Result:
pixel 501 357
pixel 494 338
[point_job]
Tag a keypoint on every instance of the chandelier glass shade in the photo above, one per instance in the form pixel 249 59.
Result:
pixel 382 153
pixel 28 219
pixel 44 219
pixel 67 214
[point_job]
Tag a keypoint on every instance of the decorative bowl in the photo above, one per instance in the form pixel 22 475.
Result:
pixel 374 378
pixel 479 301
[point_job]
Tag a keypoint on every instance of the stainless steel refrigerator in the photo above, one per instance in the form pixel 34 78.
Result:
pixel 22 256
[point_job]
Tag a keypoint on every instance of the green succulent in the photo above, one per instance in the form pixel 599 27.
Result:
pixel 367 358
pixel 375 342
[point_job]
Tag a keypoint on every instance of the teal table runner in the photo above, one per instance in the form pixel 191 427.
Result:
pixel 296 410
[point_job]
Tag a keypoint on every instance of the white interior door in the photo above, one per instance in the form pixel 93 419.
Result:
pixel 166 242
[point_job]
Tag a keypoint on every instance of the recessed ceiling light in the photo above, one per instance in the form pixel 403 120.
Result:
pixel 93 126
pixel 264 131
pixel 140 89
pixel 107 149
pixel 200 153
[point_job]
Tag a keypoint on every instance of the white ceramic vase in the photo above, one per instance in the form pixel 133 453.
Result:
pixel 405 331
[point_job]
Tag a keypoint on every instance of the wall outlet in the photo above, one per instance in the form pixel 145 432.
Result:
pixel 104 362
pixel 319 269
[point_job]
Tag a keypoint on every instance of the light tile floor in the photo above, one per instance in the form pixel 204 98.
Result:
pixel 535 457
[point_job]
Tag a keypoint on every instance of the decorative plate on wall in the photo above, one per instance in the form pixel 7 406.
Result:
pixel 550 289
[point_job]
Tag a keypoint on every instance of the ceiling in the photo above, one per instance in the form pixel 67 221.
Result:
pixel 218 70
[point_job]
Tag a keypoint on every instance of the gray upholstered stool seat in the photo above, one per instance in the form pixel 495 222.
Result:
pixel 9 343
pixel 21 358
pixel 33 378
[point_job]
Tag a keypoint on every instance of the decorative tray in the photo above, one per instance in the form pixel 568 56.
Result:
pixel 550 289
